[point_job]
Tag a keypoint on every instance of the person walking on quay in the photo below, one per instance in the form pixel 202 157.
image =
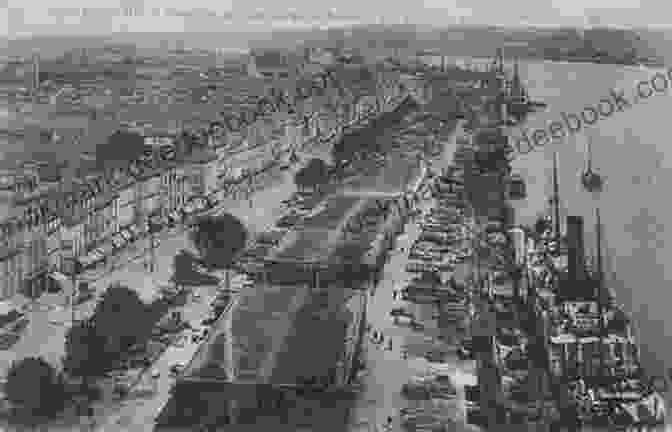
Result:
pixel 389 344
pixel 394 294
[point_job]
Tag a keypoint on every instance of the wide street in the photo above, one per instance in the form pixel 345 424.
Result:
pixel 384 366
pixel 137 414
pixel 46 332
pixel 386 370
pixel 51 316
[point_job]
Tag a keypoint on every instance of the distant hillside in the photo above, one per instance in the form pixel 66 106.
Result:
pixel 49 46
pixel 477 41
pixel 54 46
pixel 658 42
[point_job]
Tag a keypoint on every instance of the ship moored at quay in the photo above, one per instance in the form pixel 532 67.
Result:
pixel 553 348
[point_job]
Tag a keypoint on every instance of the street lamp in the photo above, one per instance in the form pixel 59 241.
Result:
pixel 154 226
pixel 70 267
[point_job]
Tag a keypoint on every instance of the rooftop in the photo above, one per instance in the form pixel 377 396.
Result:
pixel 259 324
pixel 320 233
pixel 200 155
pixel 167 116
pixel 322 326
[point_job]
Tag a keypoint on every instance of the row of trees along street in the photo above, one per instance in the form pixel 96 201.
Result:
pixel 362 143
pixel 36 389
pixel 120 323
pixel 218 239
pixel 358 145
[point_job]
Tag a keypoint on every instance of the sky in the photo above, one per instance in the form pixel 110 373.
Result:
pixel 26 17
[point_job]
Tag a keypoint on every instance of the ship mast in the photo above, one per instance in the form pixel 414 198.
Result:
pixel 600 287
pixel 555 200
pixel 589 155
pixel 516 87
pixel 591 180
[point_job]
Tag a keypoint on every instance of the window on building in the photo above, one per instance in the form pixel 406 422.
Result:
pixel 4 275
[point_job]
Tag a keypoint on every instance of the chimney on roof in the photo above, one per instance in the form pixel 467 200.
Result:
pixel 575 250
pixel 156 156
pixel 182 146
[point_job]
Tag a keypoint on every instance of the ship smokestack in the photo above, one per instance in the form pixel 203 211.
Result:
pixel 575 258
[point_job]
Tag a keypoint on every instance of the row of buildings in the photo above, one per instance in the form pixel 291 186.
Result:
pixel 188 152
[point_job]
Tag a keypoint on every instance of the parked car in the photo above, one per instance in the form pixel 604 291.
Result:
pixel 400 311
pixel 465 349
pixel 209 321
pixel 434 247
pixel 435 355
pixel 419 267
pixel 218 309
pixel 415 391
pixel 176 368
pixel 287 221
pixel 472 396
pixel 83 296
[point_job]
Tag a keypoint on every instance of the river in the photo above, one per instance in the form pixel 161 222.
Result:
pixel 630 149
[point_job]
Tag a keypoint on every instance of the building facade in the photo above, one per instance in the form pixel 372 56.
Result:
pixel 259 132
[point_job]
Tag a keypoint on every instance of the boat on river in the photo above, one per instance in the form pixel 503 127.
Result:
pixel 517 188
pixel 591 180
pixel 518 101
pixel 593 353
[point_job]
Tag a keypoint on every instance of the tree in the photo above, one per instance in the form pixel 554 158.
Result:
pixel 186 273
pixel 35 386
pixel 84 351
pixel 183 265
pixel 314 174
pixel 120 148
pixel 218 239
pixel 121 318
pixel 340 152
pixel 301 179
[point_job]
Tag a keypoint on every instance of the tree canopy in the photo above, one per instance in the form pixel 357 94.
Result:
pixel 356 144
pixel 314 174
pixel 219 238
pixel 84 350
pixel 120 148
pixel 492 161
pixel 185 271
pixel 301 179
pixel 183 265
pixel 34 385
pixel 121 318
